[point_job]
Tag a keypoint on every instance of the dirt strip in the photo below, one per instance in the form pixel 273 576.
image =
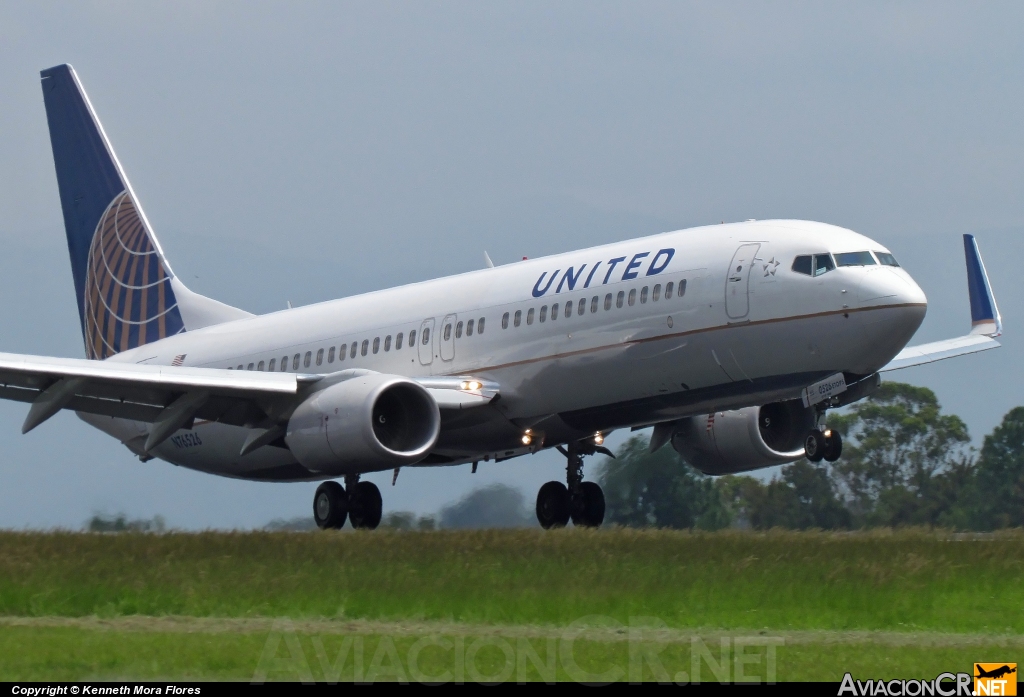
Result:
pixel 610 634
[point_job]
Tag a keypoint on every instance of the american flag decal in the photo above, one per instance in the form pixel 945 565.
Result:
pixel 178 360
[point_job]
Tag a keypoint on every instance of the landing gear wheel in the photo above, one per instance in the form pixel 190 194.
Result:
pixel 833 446
pixel 364 505
pixel 588 505
pixel 814 446
pixel 553 505
pixel 330 506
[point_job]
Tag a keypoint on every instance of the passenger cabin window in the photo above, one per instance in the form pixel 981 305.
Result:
pixel 320 357
pixel 306 361
pixel 284 363
pixel 342 352
pixel 632 297
pixel 656 293
pixel 295 361
pixel 504 321
pixel 529 316
pixel 241 367
pixel 426 336
pixel 458 330
pixel 387 343
pixel 519 317
pixel 593 304
pixel 480 326
pixel 619 297
pixel 682 288
pixel 543 313
pixel 668 290
pixel 886 259
pixel 608 302
pixel 447 332
pixel 376 344
pixel 259 366
pixel 643 295
pixel 855 259
pixel 398 341
pixel 330 355
pixel 249 367
pixel 412 338
pixel 582 306
pixel 273 364
pixel 554 312
pixel 365 347
pixel 469 327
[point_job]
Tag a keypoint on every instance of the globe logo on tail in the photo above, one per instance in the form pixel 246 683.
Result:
pixel 128 298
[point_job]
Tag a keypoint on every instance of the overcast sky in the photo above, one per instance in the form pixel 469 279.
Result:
pixel 308 151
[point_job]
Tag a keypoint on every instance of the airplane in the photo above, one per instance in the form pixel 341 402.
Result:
pixel 732 341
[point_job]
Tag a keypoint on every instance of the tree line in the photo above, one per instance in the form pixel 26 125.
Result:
pixel 904 463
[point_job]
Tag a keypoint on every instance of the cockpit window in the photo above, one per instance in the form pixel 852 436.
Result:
pixel 823 264
pixel 886 259
pixel 855 259
pixel 802 264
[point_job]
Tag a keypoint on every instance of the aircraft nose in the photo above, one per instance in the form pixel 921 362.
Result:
pixel 890 286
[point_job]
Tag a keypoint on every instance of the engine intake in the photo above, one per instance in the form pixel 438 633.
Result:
pixel 364 424
pixel 745 439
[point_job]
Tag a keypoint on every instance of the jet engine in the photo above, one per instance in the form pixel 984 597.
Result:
pixel 364 424
pixel 745 439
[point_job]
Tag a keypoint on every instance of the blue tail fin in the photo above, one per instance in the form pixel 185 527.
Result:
pixel 985 318
pixel 123 283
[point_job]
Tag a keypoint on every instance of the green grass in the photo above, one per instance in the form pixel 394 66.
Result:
pixel 778 580
pixel 82 654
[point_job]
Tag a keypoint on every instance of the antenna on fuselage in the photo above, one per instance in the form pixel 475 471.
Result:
pixel 487 260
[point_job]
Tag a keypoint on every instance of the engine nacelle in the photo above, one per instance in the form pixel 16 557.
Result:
pixel 746 439
pixel 364 424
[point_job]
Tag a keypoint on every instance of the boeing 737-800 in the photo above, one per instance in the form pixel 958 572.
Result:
pixel 730 340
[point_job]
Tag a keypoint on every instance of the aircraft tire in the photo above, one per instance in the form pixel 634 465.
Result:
pixel 330 506
pixel 588 505
pixel 814 446
pixel 553 505
pixel 365 506
pixel 833 446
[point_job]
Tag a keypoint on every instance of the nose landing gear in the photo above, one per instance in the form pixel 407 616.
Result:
pixel 361 504
pixel 823 445
pixel 580 501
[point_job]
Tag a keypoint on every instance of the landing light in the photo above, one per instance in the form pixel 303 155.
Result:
pixel 598 438
pixel 527 436
pixel 828 433
pixel 470 385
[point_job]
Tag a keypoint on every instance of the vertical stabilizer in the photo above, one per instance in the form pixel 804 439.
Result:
pixel 127 293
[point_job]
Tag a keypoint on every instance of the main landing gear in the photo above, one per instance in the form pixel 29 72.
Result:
pixel 823 445
pixel 580 501
pixel 361 504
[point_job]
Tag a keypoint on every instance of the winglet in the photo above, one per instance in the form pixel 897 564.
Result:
pixel 985 318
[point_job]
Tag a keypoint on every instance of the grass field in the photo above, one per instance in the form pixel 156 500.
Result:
pixel 210 605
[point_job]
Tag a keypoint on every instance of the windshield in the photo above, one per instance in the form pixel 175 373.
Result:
pixel 855 259
pixel 886 259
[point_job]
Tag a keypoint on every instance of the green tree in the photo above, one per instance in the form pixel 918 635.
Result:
pixel 803 497
pixel 902 457
pixel 1000 474
pixel 659 489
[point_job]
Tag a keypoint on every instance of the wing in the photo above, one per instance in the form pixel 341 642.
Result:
pixel 986 322
pixel 171 397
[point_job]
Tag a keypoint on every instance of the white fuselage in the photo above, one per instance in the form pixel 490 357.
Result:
pixel 735 337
